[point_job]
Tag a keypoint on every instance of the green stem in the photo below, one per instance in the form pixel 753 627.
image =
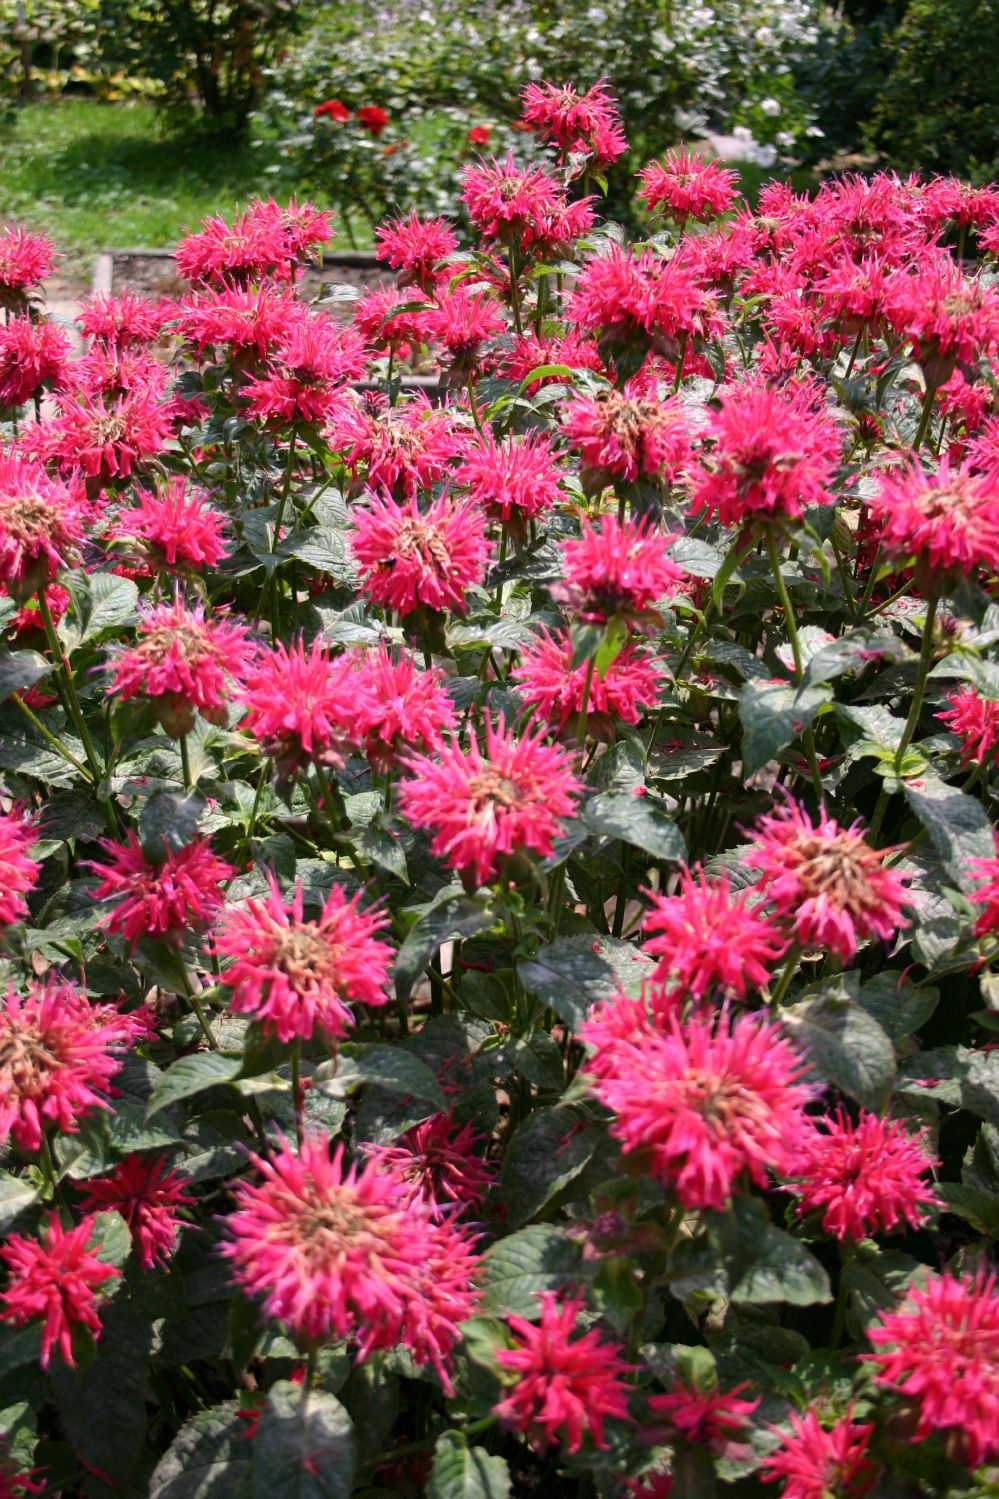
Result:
pixel 251 825
pixel 924 416
pixel 584 707
pixel 807 737
pixel 49 737
pixel 856 351
pixel 915 708
pixel 460 1433
pixel 475 410
pixel 185 761
pixel 786 975
pixel 199 1011
pixel 76 712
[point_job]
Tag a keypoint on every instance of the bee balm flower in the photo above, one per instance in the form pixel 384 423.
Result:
pixel 55 1278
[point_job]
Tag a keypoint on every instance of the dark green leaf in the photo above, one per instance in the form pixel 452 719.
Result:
pixel 546 1152
pixel 846 1045
pixel 897 1004
pixel 451 913
pixel 773 715
pixel 463 1472
pixel 20 669
pixel 167 823
pixel 209 1458
pixel 518 1267
pixel 304 1446
pixel 958 826
pixel 191 1075
pixel 575 972
pixel 641 821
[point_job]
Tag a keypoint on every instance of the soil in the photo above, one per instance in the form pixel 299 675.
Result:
pixel 152 274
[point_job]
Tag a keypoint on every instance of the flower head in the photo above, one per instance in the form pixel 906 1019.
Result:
pixel 147 1195
pixel 41 525
pixel 947 520
pixel 245 323
pixel 622 436
pixel 829 886
pixel 122 320
pixel 703 1101
pixel 372 118
pixel 566 1386
pixel 18 872
pixel 481 808
pixel 177 527
pixel 310 363
pixel 402 706
pixel 710 939
pixel 987 894
pixel 401 449
pixel 419 249
pixel 864 1178
pixel 975 720
pixel 703 1418
pixel 400 321
pixel 685 187
pixel 181 661
pixel 506 202
pixel 106 440
pixel 948 318
pixel 637 303
pixel 940 1349
pixel 463 321
pixel 348 1252
pixel 549 682
pixel 584 126
pixel 296 976
pixel 25 260
pixel 33 358
pixel 265 240
pixel 814 1463
pixel 163 898
pixel 55 1278
pixel 410 558
pixel 617 570
pixel 443 1165
pixel 515 479
pixel 304 706
pixel 332 109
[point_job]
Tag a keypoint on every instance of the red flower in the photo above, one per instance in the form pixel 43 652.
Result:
pixel 479 135
pixel 25 260
pixel 506 202
pixel 398 450
pixel 623 436
pixel 166 898
pixel 549 682
pixel 987 894
pixel 617 570
pixel 123 320
pixel 817 1464
pixel 41 526
pixel 33 357
pixel 410 558
pixel 517 478
pixel 181 661
pixel 305 706
pixel 685 187
pixel 147 1196
pixel 442 1165
pixel 332 109
pixel 703 1418
pixel 566 1387
pixel 401 706
pixel 309 364
pixel 177 528
pixel 18 873
pixel 711 940
pixel 975 720
pixel 947 520
pixel 417 248
pixel 580 125
pixel 865 1178
pixel 55 1278
pixel 637 303
pixel 371 117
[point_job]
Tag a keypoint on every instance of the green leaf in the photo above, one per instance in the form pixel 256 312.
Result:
pixel 463 1472
pixel 103 1407
pixel 191 1075
pixel 744 1257
pixel 898 1006
pixel 773 715
pixel 641 821
pixel 880 732
pixel 209 1458
pixel 20 669
pixel 16 1194
pixel 545 1153
pixel 845 1044
pixel 520 1266
pixel 957 1076
pixel 102 603
pixel 379 847
pixel 304 1446
pixel 958 825
pixel 856 649
pixel 575 972
pixel 389 1067
pixel 167 823
pixel 451 913
pixel 979 1208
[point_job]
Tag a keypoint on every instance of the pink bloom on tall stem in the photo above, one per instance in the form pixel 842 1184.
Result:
pixel 410 557
pixel 25 260
pixel 122 320
pixel 305 706
pixel 104 440
pixel 814 1463
pixel 309 366
pixel 505 201
pixel 418 248
pixel 948 318
pixel 566 1386
pixel 463 321
pixel 866 1177
pixel 402 706
pixel 639 302
pixel 703 1418
pixel 710 939
pixel 549 682
pixel 265 240
pixel 705 1101
pixel 514 479
pixel 617 569
pixel 939 1349
pixel 685 187
pixel 148 1196
pixel 55 1277
pixel 773 454
pixel 482 807
pixel 586 125
pixel 829 887
pixel 33 358
pixel 399 321
pixel 442 1164
pixel 948 520
pixel 41 525
pixel 347 1252
pixel 243 322
pixel 399 450
pixel 176 527
pixel 181 661
pixel 58 1054
pixel 975 720
pixel 622 436
pixel 163 898
pixel 297 977
pixel 18 872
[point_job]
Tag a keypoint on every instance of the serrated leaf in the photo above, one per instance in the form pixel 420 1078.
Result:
pixel 463 1472
pixel 16 1194
pixel 643 822
pixel 518 1267
pixel 167 823
pixel 898 1006
pixel 575 972
pixel 304 1446
pixel 209 1458
pixel 741 1255
pixel 451 913
pixel 20 669
pixel 192 1075
pixel 389 1067
pixel 103 1407
pixel 957 1076
pixel 845 1045
pixel 957 824
pixel 773 715
pixel 545 1153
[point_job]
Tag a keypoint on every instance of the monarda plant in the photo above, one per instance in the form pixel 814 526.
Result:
pixel 499 892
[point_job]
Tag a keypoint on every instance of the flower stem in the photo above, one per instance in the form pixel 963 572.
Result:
pixel 786 975
pixel 584 707
pixel 199 1011
pixel 76 712
pixel 185 761
pixel 924 416
pixel 807 737
pixel 915 708
pixel 50 738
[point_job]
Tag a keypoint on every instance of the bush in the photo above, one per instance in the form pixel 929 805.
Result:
pixel 499 896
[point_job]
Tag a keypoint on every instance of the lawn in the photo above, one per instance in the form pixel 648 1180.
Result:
pixel 94 175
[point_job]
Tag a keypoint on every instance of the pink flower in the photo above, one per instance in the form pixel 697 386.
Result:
pixel 948 520
pixel 33 358
pixel 987 894
pixel 704 1101
pixel 177 527
pixel 310 364
pixel 975 720
pixel 480 809
pixel 621 436
pixel 948 318
pixel 505 201
pixel 104 440
pixel 165 898
pixel 864 1178
pixel 709 939
pixel 55 1278
pixel 773 454
pixel 816 1464
pixel 549 682
pixel 442 1165
pixel 181 661
pixel 41 526
pixel 940 1350
pixel 685 187
pixel 58 1054
pixel 463 321
pixel 297 977
pixel 830 887
pixel 638 303
pixel 119 321
pixel 515 479
pixel 419 249
pixel 402 706
pixel 25 260
pixel 147 1196
pixel 246 322
pixel 13 1484
pixel 305 707
pixel 337 1252
pixel 703 1418
pixel 18 873
pixel 401 449
pixel 410 558
pixel 617 570
pixel 566 1387
pixel 584 126
pixel 400 321
pixel 531 352
pixel 266 240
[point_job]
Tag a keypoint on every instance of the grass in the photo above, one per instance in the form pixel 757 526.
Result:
pixel 95 175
